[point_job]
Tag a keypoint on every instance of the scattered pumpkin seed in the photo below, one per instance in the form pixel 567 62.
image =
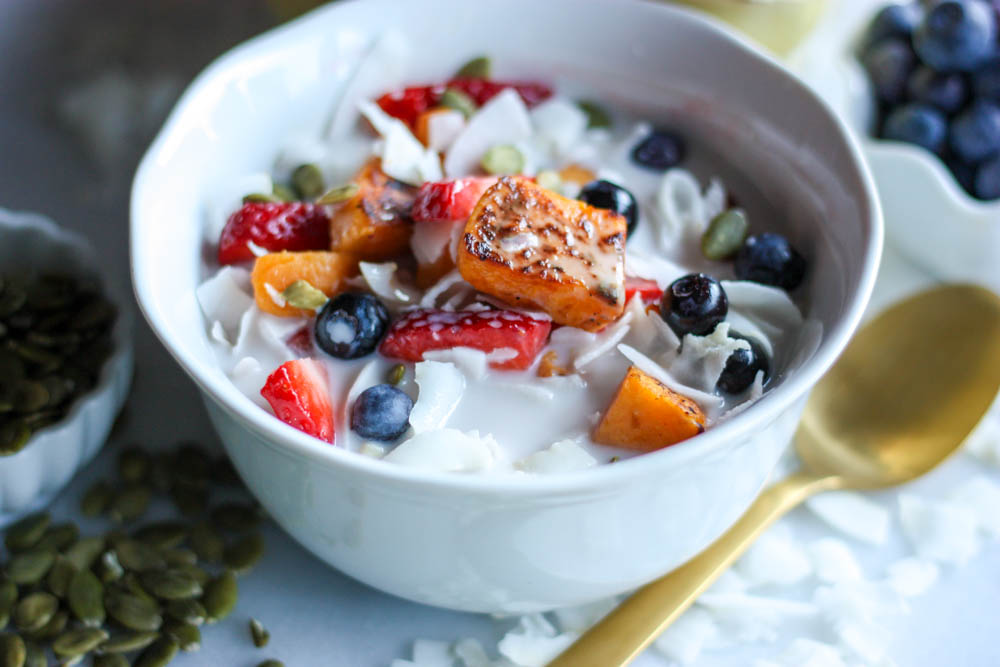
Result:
pixel 108 568
pixel 220 596
pixel 85 597
pixel 307 179
pixel 162 534
pixel 396 374
pixel 35 610
pixel 8 596
pixel 132 611
pixel 243 554
pixel 725 234
pixel 301 294
pixel 271 663
pixel 139 556
pixel 597 116
pixel 261 198
pixel 179 556
pixel 259 634
pixel 59 577
pixel 52 629
pixel 195 572
pixel 503 159
pixel 189 611
pixel 455 99
pixel 283 192
pixel 13 652
pixel 187 636
pixel 128 641
pixel 78 642
pixel 477 68
pixel 28 567
pixel 157 654
pixel 130 503
pixel 59 537
pixel 134 464
pixel 130 583
pixel 174 584
pixel 27 532
pixel 35 655
pixel 236 517
pixel 85 551
pixel 110 660
pixel 338 194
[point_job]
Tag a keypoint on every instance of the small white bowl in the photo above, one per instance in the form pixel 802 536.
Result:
pixel 30 478
pixel 507 543
pixel 929 217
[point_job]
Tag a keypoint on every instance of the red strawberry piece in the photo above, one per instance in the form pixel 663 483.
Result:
pixel 483 90
pixel 409 103
pixel 647 290
pixel 445 201
pixel 485 330
pixel 274 227
pixel 299 394
pixel 301 342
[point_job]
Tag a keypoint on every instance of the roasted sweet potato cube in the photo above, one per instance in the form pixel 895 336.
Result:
pixel 324 270
pixel 646 415
pixel 533 248
pixel 373 225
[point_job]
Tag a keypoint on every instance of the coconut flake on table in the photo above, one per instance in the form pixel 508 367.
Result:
pixel 431 653
pixel 912 576
pixel 703 358
pixel 471 653
pixel 534 642
pixel 852 514
pixel 403 156
pixel 806 653
pixel 382 280
pixel 225 297
pixel 939 530
pixel 441 388
pixel 752 618
pixel 446 450
pixel 833 561
pixel 981 496
pixel 580 618
pixel 776 557
pixel 559 124
pixel 684 640
pixel 502 120
pixel 563 456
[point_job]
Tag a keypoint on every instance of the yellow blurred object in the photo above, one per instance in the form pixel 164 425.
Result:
pixel 780 25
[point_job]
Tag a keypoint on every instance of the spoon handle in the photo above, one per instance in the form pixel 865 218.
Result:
pixel 624 633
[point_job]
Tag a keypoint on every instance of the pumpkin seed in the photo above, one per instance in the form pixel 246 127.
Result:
pixel 172 584
pixel 260 198
pixel 187 636
pixel 179 556
pixel 13 652
pixel 96 500
pixel 477 68
pixel 189 611
pixel 85 597
pixel 110 660
pixel 53 628
pixel 191 499
pixel 162 534
pixel 459 101
pixel 47 361
pixel 503 159
pixel 157 654
pixel 35 655
pixel 206 542
pixel 139 556
pixel 283 192
pixel 128 642
pixel 220 596
pixel 271 663
pixel 301 294
pixel 108 567
pixel 242 555
pixel 26 533
pixel 35 610
pixel 396 374
pixel 134 464
pixel 235 517
pixel 4 619
pixel 130 503
pixel 78 642
pixel 8 596
pixel 548 179
pixel 725 234
pixel 14 435
pixel 59 577
pixel 132 611
pixel 59 537
pixel 28 567
pixel 85 551
pixel 307 179
pixel 339 194
pixel 131 584
pixel 597 116
pixel 259 634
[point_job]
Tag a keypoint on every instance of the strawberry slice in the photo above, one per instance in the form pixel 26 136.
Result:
pixel 647 289
pixel 485 330
pixel 274 227
pixel 409 103
pixel 446 201
pixel 299 394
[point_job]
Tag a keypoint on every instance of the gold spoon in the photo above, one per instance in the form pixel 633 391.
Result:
pixel 908 390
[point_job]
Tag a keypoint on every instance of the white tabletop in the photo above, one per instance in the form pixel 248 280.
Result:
pixel 316 615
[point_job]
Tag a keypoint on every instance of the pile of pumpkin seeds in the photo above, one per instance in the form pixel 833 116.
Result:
pixel 138 592
pixel 55 335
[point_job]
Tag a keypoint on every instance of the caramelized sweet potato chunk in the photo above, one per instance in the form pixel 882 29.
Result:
pixel 646 415
pixel 324 270
pixel 373 225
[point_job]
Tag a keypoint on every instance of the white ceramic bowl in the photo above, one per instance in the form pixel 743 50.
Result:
pixel 508 543
pixel 32 477
pixel 928 216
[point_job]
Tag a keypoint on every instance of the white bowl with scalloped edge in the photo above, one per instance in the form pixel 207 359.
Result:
pixel 30 478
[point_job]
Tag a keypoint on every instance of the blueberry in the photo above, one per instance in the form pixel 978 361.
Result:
pixel 660 149
pixel 986 80
pixel 605 194
pixel 770 259
pixel 896 20
pixel 987 180
pixel 889 64
pixel 918 124
pixel 947 92
pixel 975 133
pixel 694 304
pixel 742 366
pixel 381 413
pixel 956 35
pixel 350 325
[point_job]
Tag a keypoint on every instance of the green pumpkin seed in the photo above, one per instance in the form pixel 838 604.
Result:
pixel 189 611
pixel 59 577
pixel 85 551
pixel 725 234
pixel 459 101
pixel 131 584
pixel 78 642
pixel 110 660
pixel 27 532
pixel 12 651
pixel 307 179
pixel 271 663
pixel 236 517
pixel 130 503
pixel 301 294
pixel 477 68
pixel 548 179
pixel 128 642
pixel 85 597
pixel 35 655
pixel 132 611
pixel 28 567
pixel 339 194
pixel 157 654
pixel 597 116
pixel 59 537
pixel 179 556
pixel 52 629
pixel 191 499
pixel 195 572
pixel 503 159
pixel 35 610
pixel 396 374
pixel 139 556
pixel 206 542
pixel 14 435
pixel 242 555
pixel 283 192
pixel 45 360
pixel 220 596
pixel 108 568
pixel 172 584
pixel 4 619
pixel 260 198
pixel 8 596
pixel 162 534
pixel 96 500
pixel 187 636
pixel 259 634
pixel 134 464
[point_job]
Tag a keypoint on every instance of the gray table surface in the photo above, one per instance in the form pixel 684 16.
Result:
pixel 316 615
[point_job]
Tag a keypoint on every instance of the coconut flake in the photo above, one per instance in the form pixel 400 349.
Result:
pixel 473 363
pixel 502 120
pixel 980 496
pixel 563 456
pixel 403 156
pixel 730 581
pixel 710 403
pixel 604 342
pixel 703 358
pixel 868 601
pixel 432 653
pixel 853 514
pixel 558 124
pixel 430 240
pixel 684 640
pixel 833 561
pixel 776 557
pixel 939 530
pixel 580 618
pixel 679 207
pixel 445 450
pixel 443 128
pixel 753 618
pixel 471 653
pixel 441 388
pixel 912 576
pixel 381 278
pixel 249 376
pixel 533 643
pixel 810 653
pixel 225 297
